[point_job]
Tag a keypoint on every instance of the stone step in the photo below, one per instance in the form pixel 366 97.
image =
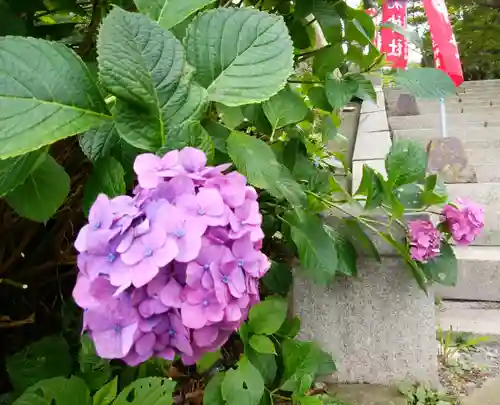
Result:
pixel 478 275
pixel 457 108
pixel 467 96
pixel 479 318
pixel 474 136
pixel 454 121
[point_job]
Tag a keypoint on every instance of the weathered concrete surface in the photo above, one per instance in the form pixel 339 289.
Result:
pixel 446 157
pixel 488 394
pixel 455 121
pixel 372 145
pixel 478 275
pixel 379 326
pixel 480 318
pixel 367 394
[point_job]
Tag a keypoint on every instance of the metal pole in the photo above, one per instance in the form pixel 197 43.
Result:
pixel 442 110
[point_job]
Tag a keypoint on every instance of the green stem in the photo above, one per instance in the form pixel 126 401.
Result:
pixel 305 55
pixel 305 81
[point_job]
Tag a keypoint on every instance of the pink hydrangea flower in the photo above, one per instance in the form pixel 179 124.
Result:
pixel 425 240
pixel 173 269
pixel 464 220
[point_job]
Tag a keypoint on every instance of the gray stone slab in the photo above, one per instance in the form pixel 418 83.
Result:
pixel 379 326
pixel 446 157
pixel 454 121
pixel 480 318
pixel 367 394
pixel 486 194
pixel 488 394
pixel 369 106
pixel 478 275
pixel 372 145
pixel 373 122
pixel 470 133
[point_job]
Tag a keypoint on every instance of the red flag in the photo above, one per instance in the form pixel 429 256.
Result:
pixel 393 44
pixel 446 56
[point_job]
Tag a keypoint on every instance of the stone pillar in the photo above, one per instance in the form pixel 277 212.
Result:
pixel 379 327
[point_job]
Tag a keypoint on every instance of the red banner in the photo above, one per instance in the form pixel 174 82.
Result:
pixel 446 56
pixel 393 44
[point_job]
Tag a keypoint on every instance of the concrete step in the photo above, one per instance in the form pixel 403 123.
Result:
pixel 474 136
pixel 454 121
pixel 479 275
pixel 479 318
pixel 457 108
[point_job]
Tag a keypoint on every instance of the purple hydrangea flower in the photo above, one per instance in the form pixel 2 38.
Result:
pixel 425 240
pixel 464 220
pixel 172 270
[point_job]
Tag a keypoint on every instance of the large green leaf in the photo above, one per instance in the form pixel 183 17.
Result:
pixel 346 254
pixel 62 391
pixel 286 107
pixel 14 171
pixel 267 316
pixel 279 278
pixel 262 344
pixel 352 229
pixel 256 160
pixel 241 55
pixel 213 391
pixel 191 133
pixel 425 82
pixel 43 192
pixel 443 269
pixel 317 250
pixel 405 163
pixel 145 67
pixel 339 91
pixel 327 60
pixel 106 394
pixel 46 358
pixel 97 143
pixel 243 386
pixel 169 13
pixel 147 391
pixel 46 94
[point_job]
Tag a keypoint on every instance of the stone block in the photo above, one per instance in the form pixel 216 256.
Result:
pixel 448 159
pixel 369 106
pixel 373 122
pixel 485 194
pixel 480 318
pixel 379 326
pixel 367 394
pixel 372 145
pixel 478 275
pixel 406 105
pixel 488 394
pixel 454 121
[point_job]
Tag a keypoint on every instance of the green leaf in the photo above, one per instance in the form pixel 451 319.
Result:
pixel 309 400
pixel 145 67
pixel 267 316
pixel 147 391
pixel 94 370
pixel 107 393
pixel 231 116
pixel 207 361
pixel 46 358
pixel 262 344
pixel 256 160
pixel 213 391
pixel 43 192
pixel 15 171
pixel 278 279
pixel 352 229
pixel 107 178
pixel 190 133
pixel 169 13
pixel 47 101
pixel 300 359
pixel 31 399
pixel 327 60
pixel 286 107
pixel 250 58
pixel 317 97
pixel 61 391
pixel 243 386
pixel 219 134
pixel 372 187
pixel 317 251
pixel 410 196
pixel 339 91
pixel 264 363
pixel 254 113
pixel 290 328
pixel 443 269
pixel 366 91
pixel 409 34
pixel 97 143
pixel 425 82
pixel 10 23
pixel 405 163
pixel 346 254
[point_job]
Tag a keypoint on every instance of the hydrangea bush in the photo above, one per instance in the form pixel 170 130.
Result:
pixel 206 127
pixel 174 269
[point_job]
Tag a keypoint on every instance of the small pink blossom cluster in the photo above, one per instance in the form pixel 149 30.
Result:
pixel 463 220
pixel 174 269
